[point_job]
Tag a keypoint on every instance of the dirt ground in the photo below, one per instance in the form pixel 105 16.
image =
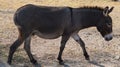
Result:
pixel 102 53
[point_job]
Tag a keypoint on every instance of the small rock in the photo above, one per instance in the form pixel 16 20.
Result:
pixel 117 57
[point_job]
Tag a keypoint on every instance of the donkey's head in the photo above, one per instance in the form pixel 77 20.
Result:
pixel 105 24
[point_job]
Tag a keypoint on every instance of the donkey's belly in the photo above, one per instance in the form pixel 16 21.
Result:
pixel 48 35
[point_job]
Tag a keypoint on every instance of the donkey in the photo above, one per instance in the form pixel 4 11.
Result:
pixel 53 22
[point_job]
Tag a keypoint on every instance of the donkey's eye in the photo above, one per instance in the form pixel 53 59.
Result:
pixel 108 24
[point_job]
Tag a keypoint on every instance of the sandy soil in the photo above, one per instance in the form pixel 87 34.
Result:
pixel 102 53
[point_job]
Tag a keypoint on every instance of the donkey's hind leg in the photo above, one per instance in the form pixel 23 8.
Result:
pixel 28 50
pixel 16 44
pixel 13 48
pixel 82 44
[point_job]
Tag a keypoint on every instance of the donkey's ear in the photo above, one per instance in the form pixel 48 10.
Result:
pixel 105 11
pixel 106 8
pixel 110 10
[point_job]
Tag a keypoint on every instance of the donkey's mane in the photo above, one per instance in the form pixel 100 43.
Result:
pixel 91 8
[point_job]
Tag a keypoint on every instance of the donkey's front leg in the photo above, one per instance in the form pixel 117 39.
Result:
pixel 76 37
pixel 63 42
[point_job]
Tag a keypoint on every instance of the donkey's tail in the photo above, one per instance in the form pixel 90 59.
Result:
pixel 17 23
pixel 15 18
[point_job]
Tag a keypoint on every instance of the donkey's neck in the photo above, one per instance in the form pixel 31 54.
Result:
pixel 84 18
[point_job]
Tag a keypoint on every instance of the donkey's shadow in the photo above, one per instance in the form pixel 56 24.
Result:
pixel 58 65
pixel 91 62
pixel 66 65
pixel 95 63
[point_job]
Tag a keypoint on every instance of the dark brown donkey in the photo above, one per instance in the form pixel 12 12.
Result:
pixel 53 22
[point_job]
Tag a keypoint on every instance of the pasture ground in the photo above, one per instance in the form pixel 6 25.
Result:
pixel 102 53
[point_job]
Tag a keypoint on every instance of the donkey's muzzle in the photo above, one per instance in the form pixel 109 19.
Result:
pixel 108 37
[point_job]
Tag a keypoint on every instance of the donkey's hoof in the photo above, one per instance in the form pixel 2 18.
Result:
pixel 61 63
pixel 88 59
pixel 86 56
pixel 37 65
pixel 9 62
pixel 33 61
